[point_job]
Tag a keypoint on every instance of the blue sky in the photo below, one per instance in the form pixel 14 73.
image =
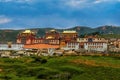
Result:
pixel 19 14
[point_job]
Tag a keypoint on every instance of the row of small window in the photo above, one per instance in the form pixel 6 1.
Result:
pixel 88 38
pixel 54 42
pixel 72 43
pixel 95 46
pixel 69 35
pixel 38 41
pixel 51 41
pixel 71 46
pixel 11 45
pixel 93 43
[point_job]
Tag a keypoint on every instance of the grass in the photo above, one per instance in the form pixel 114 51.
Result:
pixel 110 36
pixel 60 68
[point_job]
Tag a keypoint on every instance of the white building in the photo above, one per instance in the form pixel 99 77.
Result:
pixel 71 46
pixel 11 47
pixel 91 40
pixel 93 44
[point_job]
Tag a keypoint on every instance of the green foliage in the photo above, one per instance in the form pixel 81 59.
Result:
pixel 39 59
pixel 109 36
pixel 71 69
pixel 60 68
pixel 108 32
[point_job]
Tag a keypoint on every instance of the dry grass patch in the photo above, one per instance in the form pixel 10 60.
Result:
pixel 95 63
pixel 87 62
pixel 1 70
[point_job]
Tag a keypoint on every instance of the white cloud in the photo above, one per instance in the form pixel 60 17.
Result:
pixel 98 1
pixel 75 3
pixel 104 1
pixel 86 3
pixel 4 19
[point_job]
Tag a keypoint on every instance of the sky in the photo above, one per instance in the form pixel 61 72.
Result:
pixel 22 14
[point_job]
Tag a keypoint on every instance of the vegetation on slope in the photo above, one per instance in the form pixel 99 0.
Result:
pixel 60 68
pixel 105 31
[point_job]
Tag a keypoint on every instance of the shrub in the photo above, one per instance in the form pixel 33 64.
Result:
pixel 39 59
pixel 43 61
pixel 71 69
pixel 47 73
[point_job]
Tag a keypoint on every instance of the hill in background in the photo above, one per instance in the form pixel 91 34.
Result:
pixel 104 31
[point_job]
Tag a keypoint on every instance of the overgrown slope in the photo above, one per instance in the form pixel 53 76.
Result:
pixel 60 68
pixel 110 31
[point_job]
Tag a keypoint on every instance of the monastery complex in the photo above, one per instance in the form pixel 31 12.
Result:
pixel 66 40
pixel 59 42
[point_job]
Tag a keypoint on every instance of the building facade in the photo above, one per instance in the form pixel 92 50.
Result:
pixel 95 46
pixel 114 45
pixel 29 37
pixel 68 38
pixel 69 35
pixel 26 37
pixel 93 43
pixel 71 46
pixel 11 47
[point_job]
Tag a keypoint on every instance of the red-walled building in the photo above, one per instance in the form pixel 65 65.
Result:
pixel 29 37
pixel 69 36
pixel 26 37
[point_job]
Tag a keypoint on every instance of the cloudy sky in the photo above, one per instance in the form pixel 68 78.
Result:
pixel 18 14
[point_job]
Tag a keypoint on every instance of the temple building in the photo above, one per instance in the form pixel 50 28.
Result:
pixel 50 41
pixel 114 45
pixel 66 40
pixel 26 37
pixel 69 36
pixel 52 34
pixel 51 37
pixel 92 43
pixel 71 46
pixel 69 40
pixel 29 37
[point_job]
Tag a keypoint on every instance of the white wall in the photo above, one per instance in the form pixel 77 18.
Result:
pixel 71 46
pixel 13 47
pixel 95 47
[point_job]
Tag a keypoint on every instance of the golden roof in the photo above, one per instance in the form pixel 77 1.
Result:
pixel 52 30
pixel 9 42
pixel 49 37
pixel 28 31
pixel 69 32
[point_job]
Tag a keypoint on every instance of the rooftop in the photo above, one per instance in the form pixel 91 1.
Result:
pixel 69 31
pixel 40 46
pixel 52 30
pixel 28 31
pixel 49 37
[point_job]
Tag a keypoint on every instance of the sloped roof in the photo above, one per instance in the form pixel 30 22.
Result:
pixel 40 46
pixel 69 31
pixel 28 31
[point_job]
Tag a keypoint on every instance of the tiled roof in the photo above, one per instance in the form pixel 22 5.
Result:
pixel 28 31
pixel 69 32
pixel 40 46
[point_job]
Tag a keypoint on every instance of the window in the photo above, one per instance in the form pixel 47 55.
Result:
pixel 90 40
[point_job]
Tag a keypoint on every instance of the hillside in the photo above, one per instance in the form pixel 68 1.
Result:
pixel 60 68
pixel 104 31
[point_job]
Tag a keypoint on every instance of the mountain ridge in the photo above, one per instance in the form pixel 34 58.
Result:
pixel 10 35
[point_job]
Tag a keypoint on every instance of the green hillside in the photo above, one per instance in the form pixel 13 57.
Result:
pixel 8 35
pixel 60 68
pixel 104 31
